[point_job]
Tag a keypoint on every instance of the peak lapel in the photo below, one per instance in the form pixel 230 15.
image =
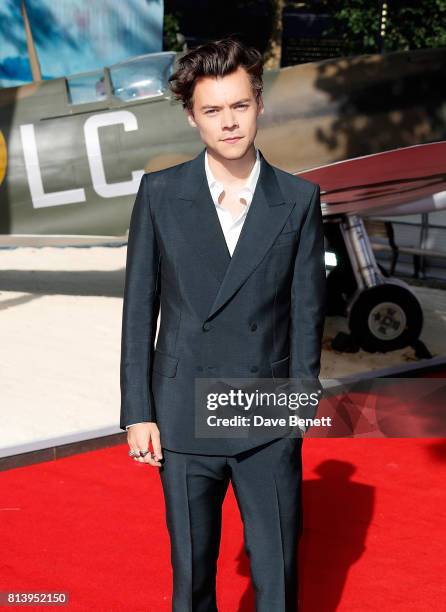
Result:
pixel 199 221
pixel 266 216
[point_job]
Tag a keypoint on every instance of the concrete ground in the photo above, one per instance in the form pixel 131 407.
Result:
pixel 60 330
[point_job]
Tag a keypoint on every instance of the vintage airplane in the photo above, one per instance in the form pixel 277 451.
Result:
pixel 72 151
pixel 383 312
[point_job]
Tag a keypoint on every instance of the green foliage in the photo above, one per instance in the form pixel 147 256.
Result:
pixel 173 40
pixel 410 24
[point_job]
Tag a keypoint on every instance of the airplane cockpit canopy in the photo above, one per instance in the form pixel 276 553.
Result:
pixel 87 87
pixel 141 77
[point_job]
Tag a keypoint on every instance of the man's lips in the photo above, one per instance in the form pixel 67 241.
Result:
pixel 232 139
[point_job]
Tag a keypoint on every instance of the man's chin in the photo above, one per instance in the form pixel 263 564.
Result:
pixel 233 152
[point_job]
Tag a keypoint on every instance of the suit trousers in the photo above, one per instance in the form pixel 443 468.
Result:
pixel 267 483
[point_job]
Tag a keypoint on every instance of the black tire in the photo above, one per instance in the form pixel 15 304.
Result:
pixel 377 326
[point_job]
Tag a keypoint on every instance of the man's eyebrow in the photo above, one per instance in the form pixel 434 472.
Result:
pixel 207 106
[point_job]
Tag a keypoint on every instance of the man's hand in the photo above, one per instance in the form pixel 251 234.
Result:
pixel 139 437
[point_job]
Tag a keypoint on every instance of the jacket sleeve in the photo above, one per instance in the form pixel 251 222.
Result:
pixel 140 313
pixel 308 300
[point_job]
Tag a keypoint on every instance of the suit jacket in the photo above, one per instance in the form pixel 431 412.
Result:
pixel 259 313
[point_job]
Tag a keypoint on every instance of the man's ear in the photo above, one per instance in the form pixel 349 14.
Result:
pixel 190 118
pixel 260 107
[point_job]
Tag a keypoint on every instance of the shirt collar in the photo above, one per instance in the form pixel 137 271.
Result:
pixel 247 191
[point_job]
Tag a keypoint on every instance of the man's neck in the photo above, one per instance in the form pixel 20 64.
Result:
pixel 229 171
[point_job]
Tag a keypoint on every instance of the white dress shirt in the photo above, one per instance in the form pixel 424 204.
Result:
pixel 231 227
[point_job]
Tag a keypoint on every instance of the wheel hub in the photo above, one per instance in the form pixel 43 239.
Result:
pixel 387 320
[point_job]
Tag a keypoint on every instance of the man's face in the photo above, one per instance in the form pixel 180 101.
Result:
pixel 225 113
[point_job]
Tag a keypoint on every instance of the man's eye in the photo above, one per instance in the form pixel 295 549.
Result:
pixel 212 111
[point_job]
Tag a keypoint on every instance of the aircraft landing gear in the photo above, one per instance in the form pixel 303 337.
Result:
pixel 385 318
pixel 383 314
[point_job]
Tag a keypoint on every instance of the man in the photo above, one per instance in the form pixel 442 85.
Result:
pixel 231 250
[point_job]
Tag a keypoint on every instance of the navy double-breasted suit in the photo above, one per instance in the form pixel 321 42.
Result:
pixel 258 313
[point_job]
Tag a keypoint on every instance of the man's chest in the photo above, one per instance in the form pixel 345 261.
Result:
pixel 231 204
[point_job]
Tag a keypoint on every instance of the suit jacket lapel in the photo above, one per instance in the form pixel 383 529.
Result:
pixel 266 216
pixel 199 219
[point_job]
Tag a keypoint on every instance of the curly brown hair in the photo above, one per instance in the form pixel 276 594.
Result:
pixel 215 59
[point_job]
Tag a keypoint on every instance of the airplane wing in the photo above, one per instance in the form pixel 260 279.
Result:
pixel 396 182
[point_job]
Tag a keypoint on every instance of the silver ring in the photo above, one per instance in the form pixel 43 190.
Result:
pixel 143 453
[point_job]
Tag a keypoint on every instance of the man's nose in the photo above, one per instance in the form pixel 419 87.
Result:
pixel 229 120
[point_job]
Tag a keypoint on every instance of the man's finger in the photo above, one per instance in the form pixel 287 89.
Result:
pixel 153 462
pixel 156 443
pixel 137 443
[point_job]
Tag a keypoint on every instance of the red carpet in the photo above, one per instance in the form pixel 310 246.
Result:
pixel 93 525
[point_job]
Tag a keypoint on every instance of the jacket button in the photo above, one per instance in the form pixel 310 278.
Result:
pixel 253 326
pixel 254 369
pixel 206 326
